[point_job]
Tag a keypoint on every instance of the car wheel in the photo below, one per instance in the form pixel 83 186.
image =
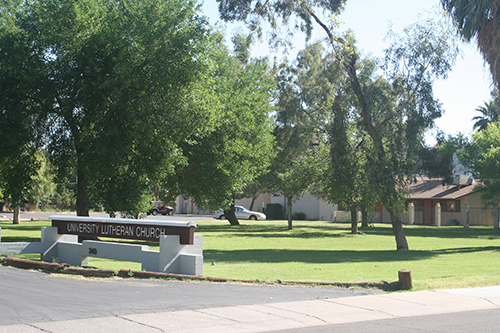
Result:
pixel 253 217
pixel 154 212
pixel 222 217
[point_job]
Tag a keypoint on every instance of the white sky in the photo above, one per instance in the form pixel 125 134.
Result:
pixel 468 85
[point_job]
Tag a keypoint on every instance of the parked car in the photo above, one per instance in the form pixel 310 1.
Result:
pixel 241 214
pixel 159 207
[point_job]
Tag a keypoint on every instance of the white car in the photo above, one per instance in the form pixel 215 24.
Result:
pixel 241 214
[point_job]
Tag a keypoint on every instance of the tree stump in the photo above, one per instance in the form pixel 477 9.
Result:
pixel 405 279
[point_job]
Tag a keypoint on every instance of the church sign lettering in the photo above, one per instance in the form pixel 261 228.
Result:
pixel 124 228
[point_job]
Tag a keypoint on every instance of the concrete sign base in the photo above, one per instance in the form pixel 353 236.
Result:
pixel 173 256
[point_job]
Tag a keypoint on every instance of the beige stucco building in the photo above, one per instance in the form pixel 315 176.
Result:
pixel 433 203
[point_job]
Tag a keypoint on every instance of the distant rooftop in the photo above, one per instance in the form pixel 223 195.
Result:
pixel 427 188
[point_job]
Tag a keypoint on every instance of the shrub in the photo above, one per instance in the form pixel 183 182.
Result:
pixel 274 211
pixel 299 216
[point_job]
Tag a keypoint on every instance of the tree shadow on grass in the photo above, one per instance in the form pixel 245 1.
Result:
pixel 331 257
pixel 260 231
pixel 22 227
pixel 6 239
pixel 437 232
pixel 343 229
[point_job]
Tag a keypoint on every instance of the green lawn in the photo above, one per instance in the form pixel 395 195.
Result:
pixel 446 257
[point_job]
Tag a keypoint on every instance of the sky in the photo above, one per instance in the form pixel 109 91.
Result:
pixel 468 85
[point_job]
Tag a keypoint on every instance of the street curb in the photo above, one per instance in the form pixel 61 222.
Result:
pixel 125 273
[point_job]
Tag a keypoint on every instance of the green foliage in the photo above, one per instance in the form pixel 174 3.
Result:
pixel 274 211
pixel 299 143
pixel 482 155
pixel 478 20
pixel 242 47
pixel 439 161
pixel 393 110
pixel 64 198
pixel 127 81
pixel 490 112
pixel 470 18
pixel 299 216
pixel 22 98
pixel 43 187
pixel 424 52
pixel 278 14
pixel 238 148
pixel 16 175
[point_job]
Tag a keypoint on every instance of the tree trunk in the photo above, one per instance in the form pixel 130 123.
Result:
pixel 350 67
pixel 252 203
pixel 364 217
pixel 82 201
pixel 354 221
pixel 16 215
pixel 399 234
pixel 231 216
pixel 289 212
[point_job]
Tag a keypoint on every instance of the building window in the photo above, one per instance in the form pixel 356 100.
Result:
pixel 450 206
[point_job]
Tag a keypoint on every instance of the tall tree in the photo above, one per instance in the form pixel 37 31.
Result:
pixel 22 97
pixel 221 164
pixel 296 167
pixel 129 82
pixel 424 53
pixel 479 20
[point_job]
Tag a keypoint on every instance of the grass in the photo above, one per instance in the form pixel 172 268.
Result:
pixel 446 257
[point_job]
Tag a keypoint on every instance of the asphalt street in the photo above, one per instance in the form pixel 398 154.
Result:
pixel 29 296
pixel 37 302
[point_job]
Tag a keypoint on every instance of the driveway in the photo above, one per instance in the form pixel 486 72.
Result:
pixel 45 215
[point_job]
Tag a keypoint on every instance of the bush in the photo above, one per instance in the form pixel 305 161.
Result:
pixel 274 211
pixel 299 216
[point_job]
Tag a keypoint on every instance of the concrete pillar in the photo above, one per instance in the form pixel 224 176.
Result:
pixel 411 213
pixel 438 214
pixel 466 216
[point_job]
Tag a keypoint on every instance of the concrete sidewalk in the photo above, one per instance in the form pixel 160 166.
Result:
pixel 281 316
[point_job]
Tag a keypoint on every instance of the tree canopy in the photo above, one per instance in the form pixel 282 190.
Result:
pixel 238 148
pixel 297 165
pixel 281 15
pixel 127 83
pixel 490 112
pixel 22 101
pixel 479 20
pixel 393 122
pixel 482 156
